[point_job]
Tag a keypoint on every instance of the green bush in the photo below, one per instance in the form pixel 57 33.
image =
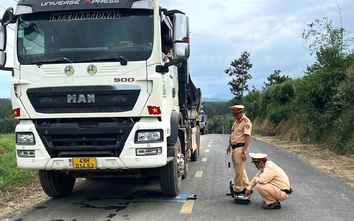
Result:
pixel 265 100
pixel 253 104
pixel 220 124
pixel 7 125
pixel 10 175
pixel 348 149
pixel 282 93
pixel 344 137
pixel 277 114
pixel 5 108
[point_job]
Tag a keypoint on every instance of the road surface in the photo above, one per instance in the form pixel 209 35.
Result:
pixel 317 195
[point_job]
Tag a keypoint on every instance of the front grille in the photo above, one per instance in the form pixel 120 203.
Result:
pixel 83 99
pixel 84 137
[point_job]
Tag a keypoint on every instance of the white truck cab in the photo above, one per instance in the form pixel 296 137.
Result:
pixel 93 95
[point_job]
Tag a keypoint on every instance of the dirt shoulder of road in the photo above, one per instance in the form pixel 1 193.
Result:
pixel 28 196
pixel 341 166
pixel 21 198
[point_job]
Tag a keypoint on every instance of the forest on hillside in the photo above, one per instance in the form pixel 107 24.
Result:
pixel 317 108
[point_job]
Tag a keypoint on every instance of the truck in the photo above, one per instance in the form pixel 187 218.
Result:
pixel 203 119
pixel 94 95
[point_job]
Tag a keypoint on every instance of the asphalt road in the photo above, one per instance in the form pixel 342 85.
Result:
pixel 317 195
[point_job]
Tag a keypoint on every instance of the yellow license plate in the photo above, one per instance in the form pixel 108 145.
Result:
pixel 84 163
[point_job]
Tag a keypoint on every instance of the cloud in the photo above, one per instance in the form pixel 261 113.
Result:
pixel 271 31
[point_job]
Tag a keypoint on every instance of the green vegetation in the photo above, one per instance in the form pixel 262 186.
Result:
pixel 239 71
pixel 317 109
pixel 10 175
pixel 7 121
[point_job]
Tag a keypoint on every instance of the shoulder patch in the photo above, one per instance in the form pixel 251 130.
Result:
pixel 247 126
pixel 245 119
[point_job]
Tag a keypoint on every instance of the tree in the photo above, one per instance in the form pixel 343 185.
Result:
pixel 329 46
pixel 239 71
pixel 7 120
pixel 275 78
pixel 7 125
pixel 5 108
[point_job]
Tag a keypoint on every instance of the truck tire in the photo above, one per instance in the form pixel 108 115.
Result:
pixel 195 154
pixel 169 175
pixel 56 184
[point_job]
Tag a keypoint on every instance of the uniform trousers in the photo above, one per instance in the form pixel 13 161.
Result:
pixel 270 193
pixel 241 178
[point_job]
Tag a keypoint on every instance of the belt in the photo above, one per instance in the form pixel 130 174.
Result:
pixel 287 191
pixel 238 145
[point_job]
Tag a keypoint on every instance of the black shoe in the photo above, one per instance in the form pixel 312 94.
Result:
pixel 232 192
pixel 238 193
pixel 244 191
pixel 275 205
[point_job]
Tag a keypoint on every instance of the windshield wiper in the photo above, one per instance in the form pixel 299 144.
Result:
pixel 55 60
pixel 121 59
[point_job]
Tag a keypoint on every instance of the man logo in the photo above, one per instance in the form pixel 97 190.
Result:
pixel 80 98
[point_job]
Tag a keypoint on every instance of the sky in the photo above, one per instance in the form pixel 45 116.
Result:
pixel 270 30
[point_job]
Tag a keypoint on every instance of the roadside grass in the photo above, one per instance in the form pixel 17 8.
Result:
pixel 11 176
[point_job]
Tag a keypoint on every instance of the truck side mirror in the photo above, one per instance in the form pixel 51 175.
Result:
pixel 2 46
pixel 161 69
pixel 181 36
pixel 164 68
pixel 8 17
pixel 2 38
pixel 2 59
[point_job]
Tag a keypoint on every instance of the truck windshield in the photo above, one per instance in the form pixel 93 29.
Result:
pixel 84 36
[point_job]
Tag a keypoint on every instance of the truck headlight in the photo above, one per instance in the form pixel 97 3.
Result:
pixel 149 136
pixel 25 139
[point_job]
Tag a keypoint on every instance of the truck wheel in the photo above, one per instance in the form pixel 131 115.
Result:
pixel 56 184
pixel 169 175
pixel 196 152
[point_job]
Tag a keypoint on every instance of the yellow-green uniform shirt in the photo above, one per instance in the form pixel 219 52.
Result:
pixel 239 129
pixel 272 174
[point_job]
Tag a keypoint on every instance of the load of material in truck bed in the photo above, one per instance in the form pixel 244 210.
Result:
pixel 194 95
pixel 189 96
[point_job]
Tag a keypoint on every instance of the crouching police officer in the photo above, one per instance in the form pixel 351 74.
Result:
pixel 271 181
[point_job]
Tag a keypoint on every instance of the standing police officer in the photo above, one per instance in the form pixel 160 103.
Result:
pixel 239 142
